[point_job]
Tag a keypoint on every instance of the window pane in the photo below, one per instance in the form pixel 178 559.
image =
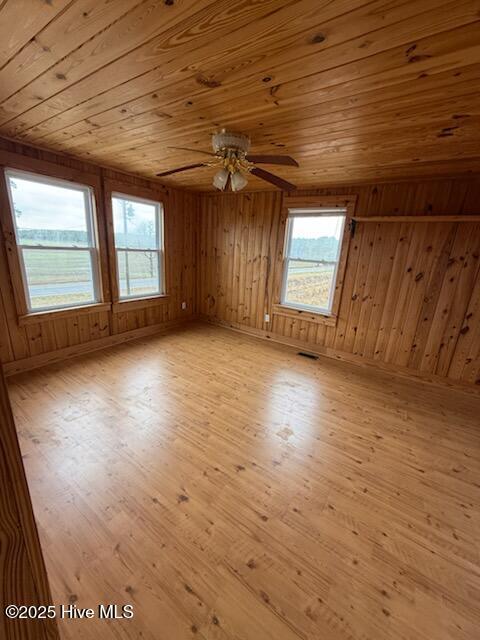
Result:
pixel 138 273
pixel 134 224
pixel 316 238
pixel 309 283
pixel 48 214
pixel 58 278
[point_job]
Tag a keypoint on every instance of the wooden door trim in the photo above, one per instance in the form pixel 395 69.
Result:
pixel 17 590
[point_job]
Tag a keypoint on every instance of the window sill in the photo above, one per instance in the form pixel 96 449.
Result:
pixel 55 314
pixel 304 314
pixel 139 303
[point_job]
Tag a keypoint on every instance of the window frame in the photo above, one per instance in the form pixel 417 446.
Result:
pixel 17 262
pixel 310 213
pixel 132 191
pixel 313 204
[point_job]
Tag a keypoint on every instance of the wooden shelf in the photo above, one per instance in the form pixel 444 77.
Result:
pixel 458 218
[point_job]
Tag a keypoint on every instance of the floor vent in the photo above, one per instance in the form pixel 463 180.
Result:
pixel 312 356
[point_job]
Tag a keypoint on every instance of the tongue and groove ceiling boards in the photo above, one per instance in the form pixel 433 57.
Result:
pixel 354 90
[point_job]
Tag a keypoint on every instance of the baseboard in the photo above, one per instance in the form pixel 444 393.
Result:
pixel 351 358
pixel 33 362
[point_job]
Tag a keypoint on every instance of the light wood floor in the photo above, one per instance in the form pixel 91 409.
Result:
pixel 231 489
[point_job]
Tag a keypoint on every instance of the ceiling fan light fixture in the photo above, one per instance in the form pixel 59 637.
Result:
pixel 234 163
pixel 238 181
pixel 230 140
pixel 220 179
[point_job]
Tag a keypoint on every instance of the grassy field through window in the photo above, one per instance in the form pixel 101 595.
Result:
pixel 64 278
pixel 309 283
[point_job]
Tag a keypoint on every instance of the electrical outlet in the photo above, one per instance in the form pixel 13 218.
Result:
pixel 184 305
pixel 267 317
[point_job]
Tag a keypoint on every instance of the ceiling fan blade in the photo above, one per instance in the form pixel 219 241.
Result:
pixel 285 160
pixel 269 177
pixel 206 153
pixel 185 168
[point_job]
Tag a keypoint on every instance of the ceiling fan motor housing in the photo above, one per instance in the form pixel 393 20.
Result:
pixel 227 140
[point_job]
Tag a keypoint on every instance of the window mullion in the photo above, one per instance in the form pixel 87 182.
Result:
pixel 313 260
pixel 47 247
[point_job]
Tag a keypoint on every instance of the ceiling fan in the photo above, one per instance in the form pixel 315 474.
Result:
pixel 235 163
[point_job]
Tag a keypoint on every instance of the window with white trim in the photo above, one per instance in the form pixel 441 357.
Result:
pixel 139 246
pixel 313 245
pixel 54 222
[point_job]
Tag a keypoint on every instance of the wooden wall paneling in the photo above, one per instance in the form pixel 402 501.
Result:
pixel 368 294
pixel 422 287
pixel 6 352
pixel 188 206
pixel 250 258
pixel 173 225
pixel 384 271
pixel 246 214
pixel 233 259
pixel 34 337
pixel 347 294
pixel 409 287
pixel 366 243
pixel 469 260
pixel 72 331
pixel 224 265
pixel 24 577
pixel 221 265
pixel 49 342
pixel 263 250
pixel 256 258
pixel 446 295
pixel 228 261
pixel 404 292
pixel 464 363
pixel 441 254
pixel 205 261
pixel 61 334
pixel 217 259
pixel 391 298
pixel 377 275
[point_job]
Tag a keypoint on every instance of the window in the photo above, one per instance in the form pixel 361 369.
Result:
pixel 312 253
pixel 56 241
pixel 138 229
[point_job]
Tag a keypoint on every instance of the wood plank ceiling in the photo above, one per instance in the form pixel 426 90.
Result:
pixel 355 90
